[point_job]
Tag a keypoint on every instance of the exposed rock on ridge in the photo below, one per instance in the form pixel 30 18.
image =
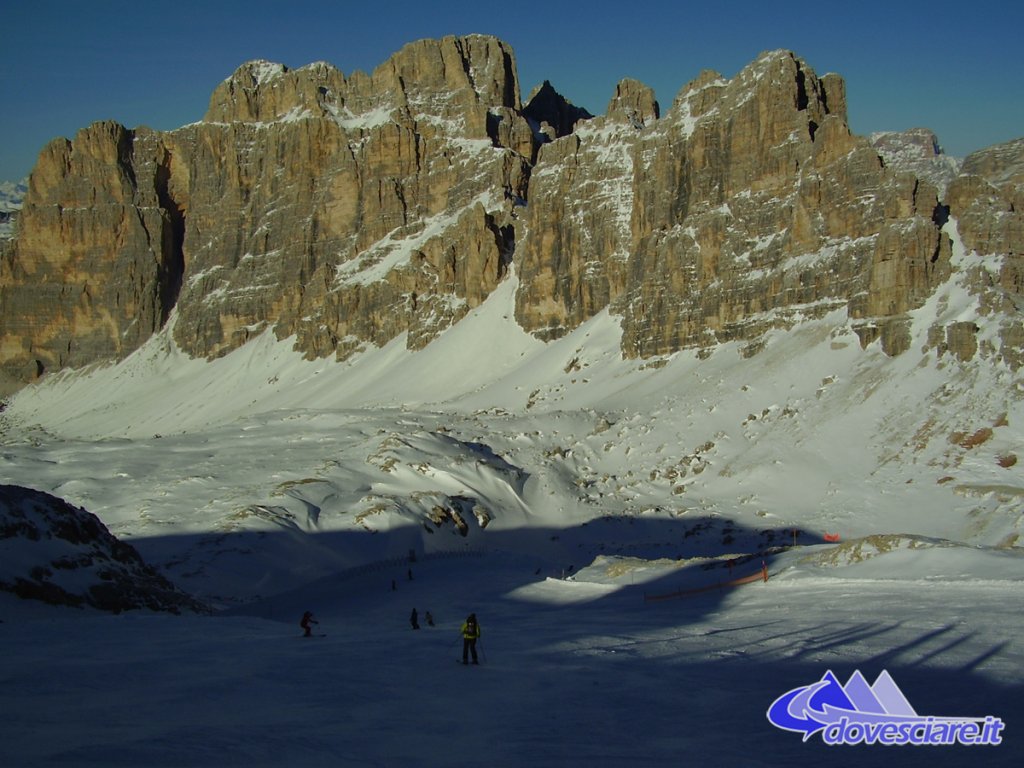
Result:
pixel 347 210
pixel 988 200
pixel 96 264
pixel 741 217
pixel 918 151
pixel 63 555
pixel 551 114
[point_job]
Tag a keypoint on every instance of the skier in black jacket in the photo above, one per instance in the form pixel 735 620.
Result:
pixel 470 634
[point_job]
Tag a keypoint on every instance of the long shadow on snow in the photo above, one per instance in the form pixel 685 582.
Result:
pixel 272 566
pixel 655 668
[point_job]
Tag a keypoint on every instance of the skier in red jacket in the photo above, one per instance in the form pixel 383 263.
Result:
pixel 307 620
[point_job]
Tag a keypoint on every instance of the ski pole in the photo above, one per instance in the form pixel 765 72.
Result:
pixel 483 654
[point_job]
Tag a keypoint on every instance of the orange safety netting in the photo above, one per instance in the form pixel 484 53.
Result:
pixel 762 575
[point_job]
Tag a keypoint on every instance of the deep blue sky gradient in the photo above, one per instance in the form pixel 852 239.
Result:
pixel 957 68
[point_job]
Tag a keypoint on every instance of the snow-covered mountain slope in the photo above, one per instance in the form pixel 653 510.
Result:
pixel 489 431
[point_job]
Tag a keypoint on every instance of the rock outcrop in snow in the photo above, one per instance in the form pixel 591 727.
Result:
pixel 63 555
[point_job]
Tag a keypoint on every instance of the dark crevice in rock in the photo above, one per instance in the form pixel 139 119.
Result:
pixel 171 270
pixel 125 155
pixel 506 238
pixel 802 99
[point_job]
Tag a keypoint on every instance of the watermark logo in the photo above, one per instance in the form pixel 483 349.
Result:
pixel 859 713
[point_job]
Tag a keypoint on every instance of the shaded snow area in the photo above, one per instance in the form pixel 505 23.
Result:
pixel 610 522
pixel 571 673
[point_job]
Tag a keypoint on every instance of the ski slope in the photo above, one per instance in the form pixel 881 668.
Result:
pixel 578 672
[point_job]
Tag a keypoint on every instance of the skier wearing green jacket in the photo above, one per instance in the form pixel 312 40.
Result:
pixel 470 634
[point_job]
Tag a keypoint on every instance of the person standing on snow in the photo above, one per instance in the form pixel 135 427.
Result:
pixel 414 619
pixel 470 634
pixel 307 620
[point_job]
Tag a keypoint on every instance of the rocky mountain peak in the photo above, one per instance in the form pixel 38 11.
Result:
pixel 456 73
pixel 457 79
pixel 263 92
pixel 256 73
pixel 1002 164
pixel 916 142
pixel 635 102
pixel 917 151
pixel 344 212
pixel 547 107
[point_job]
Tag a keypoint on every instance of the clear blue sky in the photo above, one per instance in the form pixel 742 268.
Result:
pixel 957 68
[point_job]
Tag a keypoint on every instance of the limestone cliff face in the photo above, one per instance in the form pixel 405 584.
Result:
pixel 988 201
pixel 351 210
pixel 336 210
pixel 94 268
pixel 748 206
pixel 577 242
pixel 348 210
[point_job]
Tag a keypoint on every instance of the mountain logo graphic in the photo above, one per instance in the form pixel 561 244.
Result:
pixel 859 713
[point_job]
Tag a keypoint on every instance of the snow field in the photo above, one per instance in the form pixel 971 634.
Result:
pixel 574 671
